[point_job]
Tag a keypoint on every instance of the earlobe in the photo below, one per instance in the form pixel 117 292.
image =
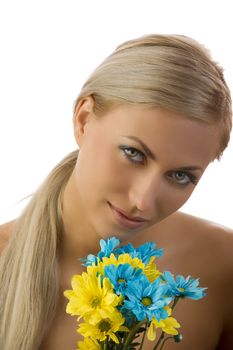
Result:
pixel 83 113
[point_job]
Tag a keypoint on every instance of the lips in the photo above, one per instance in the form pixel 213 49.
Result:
pixel 125 220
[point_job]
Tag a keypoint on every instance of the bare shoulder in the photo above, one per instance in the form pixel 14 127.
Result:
pixel 5 233
pixel 187 226
pixel 211 235
pixel 196 222
pixel 203 249
pixel 192 231
pixel 197 247
pixel 195 237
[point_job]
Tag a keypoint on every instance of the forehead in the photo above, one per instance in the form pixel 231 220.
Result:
pixel 165 131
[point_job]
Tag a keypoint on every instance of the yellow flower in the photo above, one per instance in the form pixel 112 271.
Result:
pixel 151 271
pixel 89 344
pixel 101 327
pixel 96 269
pixel 116 260
pixel 123 259
pixel 168 326
pixel 90 296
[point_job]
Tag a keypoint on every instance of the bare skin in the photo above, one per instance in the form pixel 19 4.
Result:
pixel 192 247
pixel 146 163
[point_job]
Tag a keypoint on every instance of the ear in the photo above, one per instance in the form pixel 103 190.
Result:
pixel 82 115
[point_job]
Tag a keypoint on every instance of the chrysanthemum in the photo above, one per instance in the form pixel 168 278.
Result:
pixel 98 268
pixel 151 271
pixel 121 276
pixel 145 299
pixel 91 294
pixel 168 325
pixel 88 344
pixel 102 327
pixel 107 247
pixel 144 252
pixel 183 287
pixel 123 259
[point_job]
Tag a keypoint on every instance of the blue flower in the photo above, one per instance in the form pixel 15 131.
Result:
pixel 183 287
pixel 147 250
pixel 126 249
pixel 144 252
pixel 146 299
pixel 90 260
pixel 107 247
pixel 121 276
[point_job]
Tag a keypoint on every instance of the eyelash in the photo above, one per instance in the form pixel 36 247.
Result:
pixel 126 149
pixel 191 177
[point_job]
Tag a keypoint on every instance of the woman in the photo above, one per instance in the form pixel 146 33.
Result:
pixel 147 123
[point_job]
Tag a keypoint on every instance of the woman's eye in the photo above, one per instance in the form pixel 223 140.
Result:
pixel 183 178
pixel 133 154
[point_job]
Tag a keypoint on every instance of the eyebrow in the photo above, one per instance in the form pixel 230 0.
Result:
pixel 152 156
pixel 146 149
pixel 187 168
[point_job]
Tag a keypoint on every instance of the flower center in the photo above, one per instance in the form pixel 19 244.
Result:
pixel 120 280
pixel 182 290
pixel 146 301
pixel 104 325
pixel 95 302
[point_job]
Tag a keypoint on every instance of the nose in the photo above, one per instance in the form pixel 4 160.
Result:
pixel 145 192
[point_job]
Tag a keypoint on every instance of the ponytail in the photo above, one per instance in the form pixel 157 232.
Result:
pixel 28 265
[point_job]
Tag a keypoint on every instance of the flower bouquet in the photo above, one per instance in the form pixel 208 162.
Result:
pixel 123 298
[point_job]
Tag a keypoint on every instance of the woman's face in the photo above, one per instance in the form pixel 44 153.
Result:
pixel 137 166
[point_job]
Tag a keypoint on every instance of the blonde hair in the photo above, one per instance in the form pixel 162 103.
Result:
pixel 169 71
pixel 28 271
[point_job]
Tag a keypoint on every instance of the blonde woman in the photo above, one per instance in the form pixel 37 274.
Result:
pixel 147 122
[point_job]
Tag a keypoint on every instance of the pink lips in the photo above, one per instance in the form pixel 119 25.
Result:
pixel 126 220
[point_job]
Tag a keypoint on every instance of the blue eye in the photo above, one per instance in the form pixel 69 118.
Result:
pixel 183 178
pixel 133 154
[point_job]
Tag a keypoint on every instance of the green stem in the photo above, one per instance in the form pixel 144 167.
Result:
pixel 165 342
pixel 132 334
pixel 102 344
pixel 159 341
pixel 143 338
pixel 175 302
pixel 163 334
pixel 105 344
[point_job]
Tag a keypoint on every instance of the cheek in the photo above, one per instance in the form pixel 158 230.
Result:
pixel 97 170
pixel 115 176
pixel 173 200
pixel 110 168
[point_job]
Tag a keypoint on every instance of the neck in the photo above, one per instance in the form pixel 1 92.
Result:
pixel 79 238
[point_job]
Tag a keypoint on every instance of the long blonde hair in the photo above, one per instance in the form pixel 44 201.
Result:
pixel 170 71
pixel 28 274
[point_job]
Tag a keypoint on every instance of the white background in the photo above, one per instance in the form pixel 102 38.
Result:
pixel 47 50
